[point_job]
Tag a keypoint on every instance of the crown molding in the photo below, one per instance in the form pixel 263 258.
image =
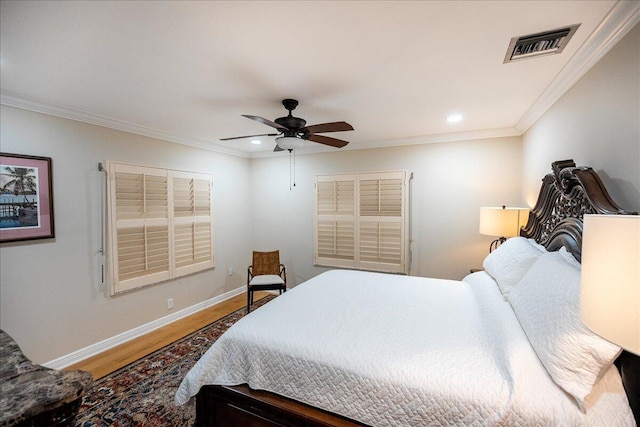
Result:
pixel 619 21
pixel 445 137
pixel 37 106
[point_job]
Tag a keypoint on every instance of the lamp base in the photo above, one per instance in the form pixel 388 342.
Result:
pixel 496 243
pixel 629 366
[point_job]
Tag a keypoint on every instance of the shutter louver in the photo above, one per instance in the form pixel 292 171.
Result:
pixel 141 226
pixel 142 251
pixel 381 197
pixel 203 242
pixel 382 222
pixel 380 242
pixel 193 237
pixel 183 245
pixel 335 221
pixel 335 240
pixel 192 244
pixel 182 197
pixel 140 196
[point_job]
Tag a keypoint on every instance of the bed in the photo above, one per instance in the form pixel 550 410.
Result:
pixel 362 348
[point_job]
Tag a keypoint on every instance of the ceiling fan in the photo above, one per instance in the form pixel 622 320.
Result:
pixel 293 130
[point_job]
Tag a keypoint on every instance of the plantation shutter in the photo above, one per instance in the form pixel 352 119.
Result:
pixel 360 221
pixel 193 236
pixel 160 225
pixel 382 221
pixel 140 226
pixel 335 221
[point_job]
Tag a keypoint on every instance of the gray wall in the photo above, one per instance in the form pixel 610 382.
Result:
pixel 596 123
pixel 51 300
pixel 451 182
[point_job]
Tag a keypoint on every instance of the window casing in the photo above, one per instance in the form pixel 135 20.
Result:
pixel 160 224
pixel 361 221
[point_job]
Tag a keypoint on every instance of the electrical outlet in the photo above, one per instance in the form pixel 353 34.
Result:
pixel 230 271
pixel 169 303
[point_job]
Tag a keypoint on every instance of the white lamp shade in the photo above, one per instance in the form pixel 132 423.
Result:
pixel 502 221
pixel 610 288
pixel 290 142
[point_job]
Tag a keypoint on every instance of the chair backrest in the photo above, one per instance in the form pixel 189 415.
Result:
pixel 265 263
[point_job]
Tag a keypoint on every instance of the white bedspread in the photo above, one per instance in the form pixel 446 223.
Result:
pixel 394 350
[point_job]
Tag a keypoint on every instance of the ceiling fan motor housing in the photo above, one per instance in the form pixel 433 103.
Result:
pixel 290 122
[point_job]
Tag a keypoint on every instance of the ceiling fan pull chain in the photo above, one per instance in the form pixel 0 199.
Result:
pixel 292 168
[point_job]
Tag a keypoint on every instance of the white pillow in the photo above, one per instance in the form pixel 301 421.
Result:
pixel 546 302
pixel 568 257
pixel 510 262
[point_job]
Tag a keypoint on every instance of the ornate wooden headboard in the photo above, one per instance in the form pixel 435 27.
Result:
pixel 565 197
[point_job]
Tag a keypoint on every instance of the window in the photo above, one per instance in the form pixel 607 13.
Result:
pixel 360 221
pixel 160 224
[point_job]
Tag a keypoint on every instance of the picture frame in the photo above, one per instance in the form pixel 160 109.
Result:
pixel 26 198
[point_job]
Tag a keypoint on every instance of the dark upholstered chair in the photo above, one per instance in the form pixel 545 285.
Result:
pixel 33 395
pixel 265 274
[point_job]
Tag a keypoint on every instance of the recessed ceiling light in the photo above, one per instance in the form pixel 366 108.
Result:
pixel 256 142
pixel 454 118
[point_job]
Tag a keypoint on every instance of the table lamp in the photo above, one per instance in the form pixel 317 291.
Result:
pixel 502 221
pixel 610 288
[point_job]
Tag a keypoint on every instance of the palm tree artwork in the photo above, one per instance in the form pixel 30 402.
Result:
pixel 19 182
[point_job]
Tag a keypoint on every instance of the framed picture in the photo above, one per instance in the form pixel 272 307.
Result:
pixel 26 198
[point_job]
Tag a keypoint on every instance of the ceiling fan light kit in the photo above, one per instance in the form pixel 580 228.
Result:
pixel 290 142
pixel 294 130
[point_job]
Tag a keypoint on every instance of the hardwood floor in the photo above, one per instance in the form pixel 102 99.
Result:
pixel 115 358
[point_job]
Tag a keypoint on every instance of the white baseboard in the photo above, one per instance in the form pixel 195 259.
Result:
pixel 93 349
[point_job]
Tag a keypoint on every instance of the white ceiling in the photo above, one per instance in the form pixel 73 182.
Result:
pixel 186 71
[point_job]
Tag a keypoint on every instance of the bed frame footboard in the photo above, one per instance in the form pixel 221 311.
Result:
pixel 226 406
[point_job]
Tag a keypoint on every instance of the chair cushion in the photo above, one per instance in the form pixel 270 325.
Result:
pixel 266 279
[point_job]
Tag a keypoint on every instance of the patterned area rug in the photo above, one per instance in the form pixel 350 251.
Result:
pixel 141 393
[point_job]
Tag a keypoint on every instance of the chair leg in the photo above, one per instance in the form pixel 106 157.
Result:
pixel 248 301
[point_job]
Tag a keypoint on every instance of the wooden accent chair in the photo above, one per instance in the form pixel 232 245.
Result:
pixel 266 273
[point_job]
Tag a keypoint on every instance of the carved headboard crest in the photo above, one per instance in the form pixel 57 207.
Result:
pixel 565 197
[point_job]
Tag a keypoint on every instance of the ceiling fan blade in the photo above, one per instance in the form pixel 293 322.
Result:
pixel 249 136
pixel 278 148
pixel 328 127
pixel 266 122
pixel 327 140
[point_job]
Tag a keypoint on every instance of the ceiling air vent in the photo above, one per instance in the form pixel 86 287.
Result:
pixel 546 43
